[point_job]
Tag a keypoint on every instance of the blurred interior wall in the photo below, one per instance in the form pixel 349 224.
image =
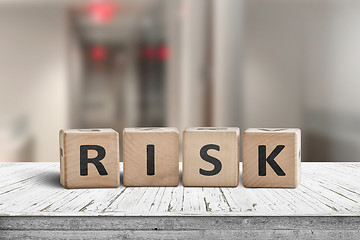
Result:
pixel 335 117
pixel 204 75
pixel 226 72
pixel 272 88
pixel 300 69
pixel 33 73
pixel 75 68
pixel 186 67
pixel 250 63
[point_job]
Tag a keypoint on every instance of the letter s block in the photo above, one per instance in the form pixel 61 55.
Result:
pixel 151 157
pixel 271 157
pixel 211 157
pixel 89 158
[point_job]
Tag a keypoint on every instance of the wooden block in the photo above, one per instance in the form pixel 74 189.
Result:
pixel 89 158
pixel 271 157
pixel 151 156
pixel 211 157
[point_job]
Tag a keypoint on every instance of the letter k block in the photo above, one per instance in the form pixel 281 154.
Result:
pixel 271 157
pixel 89 158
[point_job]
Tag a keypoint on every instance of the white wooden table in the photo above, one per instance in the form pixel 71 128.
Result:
pixel 326 205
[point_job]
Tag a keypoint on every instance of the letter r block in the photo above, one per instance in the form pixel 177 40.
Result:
pixel 151 157
pixel 211 157
pixel 271 157
pixel 89 158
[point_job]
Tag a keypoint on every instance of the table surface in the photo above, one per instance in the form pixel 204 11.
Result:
pixel 33 189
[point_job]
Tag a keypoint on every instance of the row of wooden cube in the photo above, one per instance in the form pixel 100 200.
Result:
pixel 89 158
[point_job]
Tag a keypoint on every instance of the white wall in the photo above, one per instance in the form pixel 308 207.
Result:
pixel 227 45
pixel 273 60
pixel 301 70
pixel 33 78
pixel 332 92
pixel 187 39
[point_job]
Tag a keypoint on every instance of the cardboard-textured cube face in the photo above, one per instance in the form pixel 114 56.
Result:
pixel 271 157
pixel 89 158
pixel 211 157
pixel 151 156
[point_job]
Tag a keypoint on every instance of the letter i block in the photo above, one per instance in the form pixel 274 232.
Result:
pixel 89 158
pixel 271 157
pixel 151 157
pixel 211 157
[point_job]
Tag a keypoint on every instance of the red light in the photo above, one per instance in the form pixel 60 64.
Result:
pixel 102 11
pixel 163 52
pixel 98 53
pixel 148 53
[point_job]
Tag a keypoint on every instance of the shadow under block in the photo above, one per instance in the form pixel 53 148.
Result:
pixel 271 157
pixel 211 157
pixel 89 158
pixel 151 157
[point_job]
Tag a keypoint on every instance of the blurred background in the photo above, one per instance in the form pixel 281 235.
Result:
pixel 180 63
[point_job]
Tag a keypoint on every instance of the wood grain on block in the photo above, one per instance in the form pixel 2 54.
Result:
pixel 151 156
pixel 211 157
pixel 89 158
pixel 271 157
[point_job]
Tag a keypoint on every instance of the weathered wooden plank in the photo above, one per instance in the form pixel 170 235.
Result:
pixel 172 200
pixel 327 189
